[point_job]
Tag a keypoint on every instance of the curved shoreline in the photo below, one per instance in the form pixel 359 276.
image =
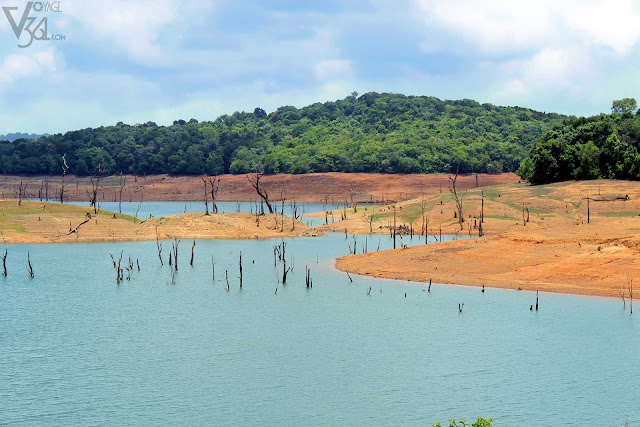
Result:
pixel 41 222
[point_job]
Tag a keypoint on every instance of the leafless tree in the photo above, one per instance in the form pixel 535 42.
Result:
pixel 174 247
pixel 122 183
pixel 119 272
pixel 214 182
pixel 206 196
pixel 139 205
pixel 354 203
pixel 29 266
pixel 65 169
pixel 454 191
pixel 4 263
pixel 95 186
pixel 240 264
pixel 254 180
pixel 294 214
pixel 525 218
pixel 22 190
pixel 425 218
pixel 159 246
pixel 193 246
pixel 630 289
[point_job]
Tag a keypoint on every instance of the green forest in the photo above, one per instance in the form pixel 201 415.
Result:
pixel 603 146
pixel 373 132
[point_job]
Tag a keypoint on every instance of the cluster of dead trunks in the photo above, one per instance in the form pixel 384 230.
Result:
pixel 4 264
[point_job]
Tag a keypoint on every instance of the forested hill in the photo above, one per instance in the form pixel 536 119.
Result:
pixel 20 135
pixel 603 146
pixel 371 133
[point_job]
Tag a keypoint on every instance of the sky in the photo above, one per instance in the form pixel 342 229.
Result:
pixel 162 60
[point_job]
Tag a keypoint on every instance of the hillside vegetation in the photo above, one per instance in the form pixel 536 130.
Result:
pixel 386 133
pixel 603 146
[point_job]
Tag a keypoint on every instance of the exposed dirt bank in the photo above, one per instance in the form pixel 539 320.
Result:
pixel 315 187
pixel 557 251
pixel 41 222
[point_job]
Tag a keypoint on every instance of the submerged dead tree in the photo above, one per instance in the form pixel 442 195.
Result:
pixel 159 246
pixel 174 247
pixel 193 246
pixel 29 266
pixel 240 264
pixel 4 264
pixel 308 280
pixel 116 265
pixel 630 289
pixel 254 180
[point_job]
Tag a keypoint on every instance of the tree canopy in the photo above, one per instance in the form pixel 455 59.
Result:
pixel 603 146
pixel 387 133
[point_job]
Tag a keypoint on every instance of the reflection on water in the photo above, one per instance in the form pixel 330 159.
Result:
pixel 77 349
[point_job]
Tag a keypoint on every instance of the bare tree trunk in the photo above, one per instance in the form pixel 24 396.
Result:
pixel 4 264
pixel 123 182
pixel 65 168
pixel 630 289
pixel 458 200
pixel 394 226
pixel 22 190
pixel 214 182
pixel 159 246
pixel 29 266
pixel 174 245
pixel 254 180
pixel 353 201
pixel 206 195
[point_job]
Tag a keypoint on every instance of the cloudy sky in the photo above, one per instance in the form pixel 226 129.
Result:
pixel 160 60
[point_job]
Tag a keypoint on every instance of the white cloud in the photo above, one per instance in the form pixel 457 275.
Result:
pixel 18 66
pixel 133 26
pixel 506 26
pixel 332 69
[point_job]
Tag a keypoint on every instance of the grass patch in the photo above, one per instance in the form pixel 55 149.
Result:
pixel 10 210
pixel 618 214
pixel 503 218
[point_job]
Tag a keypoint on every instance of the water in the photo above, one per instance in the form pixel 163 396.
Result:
pixel 77 349
pixel 159 209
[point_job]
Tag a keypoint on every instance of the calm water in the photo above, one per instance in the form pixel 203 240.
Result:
pixel 77 349
pixel 158 209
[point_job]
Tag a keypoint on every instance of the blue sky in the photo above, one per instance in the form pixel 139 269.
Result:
pixel 161 60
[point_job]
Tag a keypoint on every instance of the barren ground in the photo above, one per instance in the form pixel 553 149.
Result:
pixel 315 187
pixel 557 251
pixel 42 222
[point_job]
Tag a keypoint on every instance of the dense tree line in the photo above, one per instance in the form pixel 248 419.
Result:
pixel 387 133
pixel 603 146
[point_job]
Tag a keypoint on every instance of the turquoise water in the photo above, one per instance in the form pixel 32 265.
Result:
pixel 77 349
pixel 159 209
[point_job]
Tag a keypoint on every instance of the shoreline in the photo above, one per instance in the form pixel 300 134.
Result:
pixel 329 187
pixel 41 223
pixel 464 285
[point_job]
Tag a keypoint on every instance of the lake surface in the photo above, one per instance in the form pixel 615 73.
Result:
pixel 78 349
pixel 159 209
